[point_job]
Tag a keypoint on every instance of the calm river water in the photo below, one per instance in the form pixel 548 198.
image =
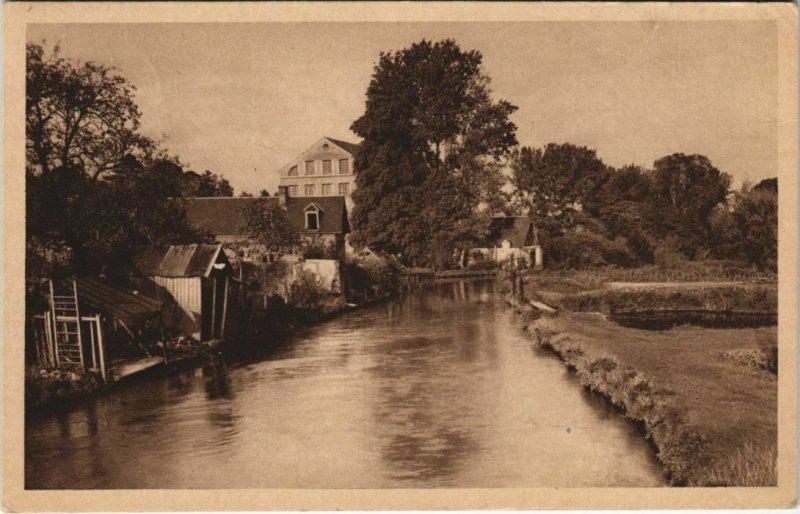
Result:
pixel 438 389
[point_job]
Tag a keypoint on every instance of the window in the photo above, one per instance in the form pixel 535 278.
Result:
pixel 344 166
pixel 293 190
pixel 309 189
pixel 312 213
pixel 327 189
pixel 344 189
pixel 309 167
pixel 312 220
pixel 293 171
pixel 327 169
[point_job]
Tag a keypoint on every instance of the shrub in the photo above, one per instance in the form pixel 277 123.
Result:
pixel 667 255
pixel 365 277
pixel 586 250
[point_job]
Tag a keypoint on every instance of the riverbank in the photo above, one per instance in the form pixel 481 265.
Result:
pixel 705 398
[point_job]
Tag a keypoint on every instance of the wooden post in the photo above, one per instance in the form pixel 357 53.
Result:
pixel 91 342
pixel 213 305
pixel 100 348
pixel 78 321
pixel 55 327
pixel 224 309
pixel 51 355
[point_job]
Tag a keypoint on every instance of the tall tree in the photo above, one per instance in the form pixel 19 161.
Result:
pixel 429 119
pixel 747 228
pixel 555 182
pixel 79 116
pixel 685 191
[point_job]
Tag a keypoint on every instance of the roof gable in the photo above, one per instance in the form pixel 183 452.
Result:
pixel 325 148
pixel 516 229
pixel 351 148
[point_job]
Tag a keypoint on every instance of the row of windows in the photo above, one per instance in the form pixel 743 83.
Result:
pixel 327 168
pixel 327 190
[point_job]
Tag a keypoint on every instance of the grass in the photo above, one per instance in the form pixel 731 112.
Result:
pixel 691 271
pixel 592 296
pixel 713 421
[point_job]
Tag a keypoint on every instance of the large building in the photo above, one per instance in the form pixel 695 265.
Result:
pixel 325 169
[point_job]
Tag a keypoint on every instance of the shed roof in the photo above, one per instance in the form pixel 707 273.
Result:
pixel 517 229
pixel 195 260
pixel 116 301
pixel 226 215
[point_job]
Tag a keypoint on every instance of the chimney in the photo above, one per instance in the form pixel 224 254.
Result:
pixel 283 193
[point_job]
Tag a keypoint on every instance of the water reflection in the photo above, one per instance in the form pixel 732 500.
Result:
pixel 439 389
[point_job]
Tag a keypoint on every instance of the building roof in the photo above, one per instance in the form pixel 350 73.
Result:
pixel 333 216
pixel 517 229
pixel 116 301
pixel 226 215
pixel 195 260
pixel 344 145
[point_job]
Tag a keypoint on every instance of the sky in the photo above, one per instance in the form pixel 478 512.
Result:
pixel 244 99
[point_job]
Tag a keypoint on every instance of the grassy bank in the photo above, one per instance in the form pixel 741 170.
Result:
pixel 572 294
pixel 706 398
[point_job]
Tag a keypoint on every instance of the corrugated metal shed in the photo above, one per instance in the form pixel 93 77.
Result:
pixel 110 299
pixel 179 261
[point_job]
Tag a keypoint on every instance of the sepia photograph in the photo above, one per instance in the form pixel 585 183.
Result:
pixel 314 249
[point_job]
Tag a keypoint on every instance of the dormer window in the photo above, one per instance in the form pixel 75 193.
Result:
pixel 312 215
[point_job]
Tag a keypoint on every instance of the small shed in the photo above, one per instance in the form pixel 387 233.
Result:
pixel 193 281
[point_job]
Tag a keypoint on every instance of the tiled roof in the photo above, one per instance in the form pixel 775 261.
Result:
pixel 344 145
pixel 332 219
pixel 517 229
pixel 226 215
pixel 193 260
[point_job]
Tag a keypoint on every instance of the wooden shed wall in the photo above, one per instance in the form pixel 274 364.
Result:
pixel 186 292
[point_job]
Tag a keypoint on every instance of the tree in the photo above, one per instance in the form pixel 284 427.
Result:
pixel 685 191
pixel 95 188
pixel 263 193
pixel 80 117
pixel 555 182
pixel 206 185
pixel 429 119
pixel 747 229
pixel 269 225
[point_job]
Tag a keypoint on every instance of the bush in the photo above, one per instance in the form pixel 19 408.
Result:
pixel 585 250
pixel 371 276
pixel 667 255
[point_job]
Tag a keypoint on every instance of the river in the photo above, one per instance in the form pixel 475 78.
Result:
pixel 438 389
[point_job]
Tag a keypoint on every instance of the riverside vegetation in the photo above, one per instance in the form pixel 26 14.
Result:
pixel 705 397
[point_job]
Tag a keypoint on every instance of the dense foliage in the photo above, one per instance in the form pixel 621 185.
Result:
pixel 269 226
pixel 591 215
pixel 95 187
pixel 433 140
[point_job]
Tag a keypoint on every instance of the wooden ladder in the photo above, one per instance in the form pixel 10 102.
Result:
pixel 65 314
